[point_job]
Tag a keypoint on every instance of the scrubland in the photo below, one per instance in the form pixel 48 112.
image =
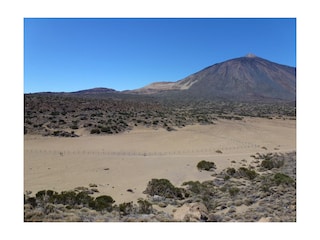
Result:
pixel 128 159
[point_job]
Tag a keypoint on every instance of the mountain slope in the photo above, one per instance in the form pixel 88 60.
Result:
pixel 245 78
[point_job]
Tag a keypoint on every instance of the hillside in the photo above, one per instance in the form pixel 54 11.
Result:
pixel 244 78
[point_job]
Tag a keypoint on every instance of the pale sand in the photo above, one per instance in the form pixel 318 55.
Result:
pixel 125 161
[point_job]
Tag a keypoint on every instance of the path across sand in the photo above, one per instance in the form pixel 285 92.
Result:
pixel 125 161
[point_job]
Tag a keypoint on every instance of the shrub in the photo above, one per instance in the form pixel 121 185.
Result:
pixel 41 194
pixel 45 196
pixel 280 178
pixel 267 164
pixel 194 187
pixel 231 171
pixel 145 207
pixel 66 198
pixel 71 199
pixel 164 188
pixel 233 191
pixel 270 163
pixel 247 173
pixel 82 198
pixel 265 187
pixel 126 208
pixel 106 130
pixel 30 200
pixel 103 202
pixel 226 177
pixel 95 131
pixel 205 165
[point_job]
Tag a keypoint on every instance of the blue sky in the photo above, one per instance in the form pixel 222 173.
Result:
pixel 75 54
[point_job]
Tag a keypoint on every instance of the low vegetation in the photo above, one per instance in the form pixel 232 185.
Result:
pixel 206 165
pixel 280 178
pixel 242 194
pixel 164 188
pixel 247 173
pixel 62 115
pixel 72 199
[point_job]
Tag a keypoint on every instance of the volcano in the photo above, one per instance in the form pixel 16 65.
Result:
pixel 244 78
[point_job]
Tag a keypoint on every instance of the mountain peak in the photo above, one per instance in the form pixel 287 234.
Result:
pixel 250 55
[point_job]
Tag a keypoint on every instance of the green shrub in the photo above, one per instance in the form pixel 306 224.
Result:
pixel 126 208
pixel 233 191
pixel 247 173
pixel 72 199
pixel 101 203
pixel 145 207
pixel 30 200
pixel 270 163
pixel 194 187
pixel 95 131
pixel 82 198
pixel 265 187
pixel 66 198
pixel 205 165
pixel 164 188
pixel 45 196
pixel 280 178
pixel 226 177
pixel 41 194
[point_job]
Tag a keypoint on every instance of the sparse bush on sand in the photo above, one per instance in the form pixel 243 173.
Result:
pixel 205 165
pixel 164 188
pixel 270 195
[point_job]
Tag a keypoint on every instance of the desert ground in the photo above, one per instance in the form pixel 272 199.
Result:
pixel 127 161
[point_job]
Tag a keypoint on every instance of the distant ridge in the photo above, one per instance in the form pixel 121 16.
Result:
pixel 99 90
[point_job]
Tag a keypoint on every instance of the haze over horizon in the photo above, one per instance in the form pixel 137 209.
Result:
pixel 75 54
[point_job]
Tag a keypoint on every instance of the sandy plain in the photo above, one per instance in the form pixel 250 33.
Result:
pixel 116 163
